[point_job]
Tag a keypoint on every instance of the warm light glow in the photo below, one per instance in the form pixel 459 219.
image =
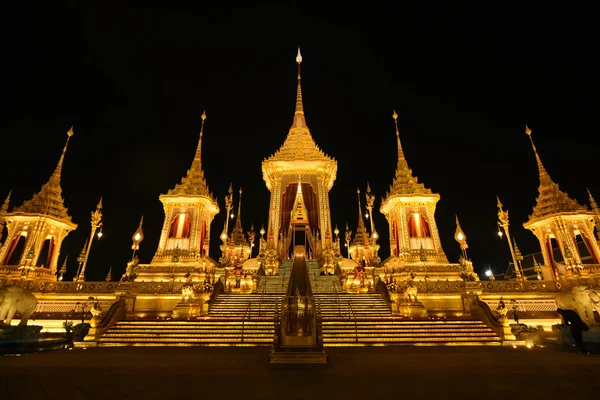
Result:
pixel 137 237
pixel 375 235
pixel 539 277
pixel 460 236
pixel 231 216
pixel 488 272
pixel 262 231
pixel 500 233
pixel 100 234
pixel 367 215
pixel 223 236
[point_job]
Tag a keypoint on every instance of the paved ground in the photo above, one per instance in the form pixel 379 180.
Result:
pixel 352 373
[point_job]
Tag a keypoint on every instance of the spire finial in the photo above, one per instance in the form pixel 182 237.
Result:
pixel 361 223
pixel 55 178
pixel 499 202
pixel 402 164
pixel 238 221
pixel 7 202
pixel 197 163
pixel 544 176
pixel 299 120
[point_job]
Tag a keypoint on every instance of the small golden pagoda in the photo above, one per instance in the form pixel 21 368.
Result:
pixel 36 230
pixel 299 161
pixel 410 210
pixel 364 245
pixel 559 221
pixel 185 237
pixel 236 247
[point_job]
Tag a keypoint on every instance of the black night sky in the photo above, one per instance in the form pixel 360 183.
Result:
pixel 134 78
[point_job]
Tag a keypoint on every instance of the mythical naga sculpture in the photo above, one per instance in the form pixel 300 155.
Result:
pixel 582 299
pixel 14 299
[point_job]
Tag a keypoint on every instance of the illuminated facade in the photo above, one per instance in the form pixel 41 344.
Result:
pixel 182 276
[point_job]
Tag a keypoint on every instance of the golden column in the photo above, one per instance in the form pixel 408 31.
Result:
pixel 503 221
pixel 137 237
pixel 228 207
pixel 348 234
pixel 96 223
pixel 370 203
pixel 461 238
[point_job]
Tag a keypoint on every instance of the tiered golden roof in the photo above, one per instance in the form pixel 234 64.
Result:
pixel 237 234
pixel 404 181
pixel 48 201
pixel 361 237
pixel 194 183
pixel 551 200
pixel 299 144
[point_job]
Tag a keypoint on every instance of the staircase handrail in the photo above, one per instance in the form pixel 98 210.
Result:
pixel 262 296
pixel 218 288
pixel 116 313
pixel 351 310
pixel 246 312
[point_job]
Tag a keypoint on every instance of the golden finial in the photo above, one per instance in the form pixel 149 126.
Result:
pixel 70 132
pixel 299 120
pixel 99 206
pixel 544 176
pixel 368 188
pixel 499 202
pixel 299 56
pixel 394 115
pixel 197 163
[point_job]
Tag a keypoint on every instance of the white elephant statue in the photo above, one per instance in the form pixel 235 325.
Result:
pixel 582 299
pixel 14 299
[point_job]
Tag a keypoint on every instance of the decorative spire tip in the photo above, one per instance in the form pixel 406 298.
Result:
pixel 70 132
pixel 394 115
pixel 203 115
pixel 527 130
pixel 299 56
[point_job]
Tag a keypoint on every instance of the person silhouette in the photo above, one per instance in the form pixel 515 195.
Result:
pixel 576 325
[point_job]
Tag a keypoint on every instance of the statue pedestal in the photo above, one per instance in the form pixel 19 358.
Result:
pixel 413 309
pixel 186 310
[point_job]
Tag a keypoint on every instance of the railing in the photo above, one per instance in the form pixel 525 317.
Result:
pixel 337 300
pixel 262 296
pixel 351 310
pixel 247 312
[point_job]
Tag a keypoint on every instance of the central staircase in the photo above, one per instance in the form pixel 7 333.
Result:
pixel 362 319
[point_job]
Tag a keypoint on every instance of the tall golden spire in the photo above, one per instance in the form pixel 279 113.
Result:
pixel 49 199
pixel 551 200
pixel 4 208
pixel 361 230
pixel 237 234
pixel 402 164
pixel 404 181
pixel 194 183
pixel 197 163
pixel 238 220
pixel 299 121
pixel 56 175
pixel 544 176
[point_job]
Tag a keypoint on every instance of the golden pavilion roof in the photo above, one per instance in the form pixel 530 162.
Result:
pixel 404 181
pixel 299 144
pixel 551 200
pixel 48 201
pixel 194 183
